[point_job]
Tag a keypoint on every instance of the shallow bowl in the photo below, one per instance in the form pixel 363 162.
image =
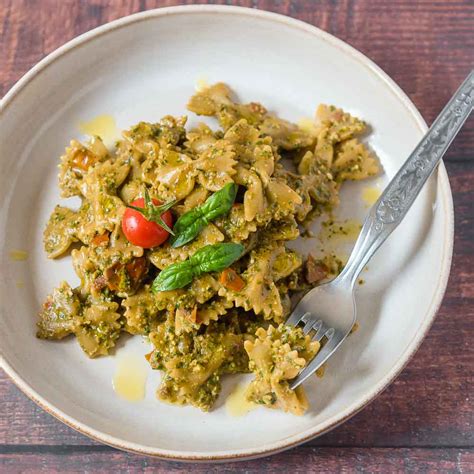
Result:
pixel 141 68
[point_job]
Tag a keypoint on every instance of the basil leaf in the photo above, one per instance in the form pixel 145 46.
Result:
pixel 190 224
pixel 220 203
pixel 214 258
pixel 187 227
pixel 211 258
pixel 174 276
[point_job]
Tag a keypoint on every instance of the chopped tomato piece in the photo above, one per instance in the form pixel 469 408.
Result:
pixel 113 277
pixel 101 239
pixel 83 160
pixel 115 274
pixel 137 268
pixel 231 280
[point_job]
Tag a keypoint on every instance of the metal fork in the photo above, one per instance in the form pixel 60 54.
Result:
pixel 334 302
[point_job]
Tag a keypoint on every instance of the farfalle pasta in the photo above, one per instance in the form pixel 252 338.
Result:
pixel 224 313
pixel 276 356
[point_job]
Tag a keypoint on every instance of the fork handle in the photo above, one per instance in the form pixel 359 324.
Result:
pixel 401 192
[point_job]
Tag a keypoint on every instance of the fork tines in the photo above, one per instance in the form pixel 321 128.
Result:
pixel 311 323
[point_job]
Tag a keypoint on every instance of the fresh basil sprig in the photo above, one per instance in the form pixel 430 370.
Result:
pixel 175 276
pixel 211 258
pixel 191 223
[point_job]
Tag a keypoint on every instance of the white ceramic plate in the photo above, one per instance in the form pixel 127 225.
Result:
pixel 145 66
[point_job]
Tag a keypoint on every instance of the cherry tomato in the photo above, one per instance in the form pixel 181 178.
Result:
pixel 142 232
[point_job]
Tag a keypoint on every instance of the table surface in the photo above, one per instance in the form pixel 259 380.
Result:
pixel 425 420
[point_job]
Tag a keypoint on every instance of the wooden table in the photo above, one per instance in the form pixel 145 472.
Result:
pixel 425 420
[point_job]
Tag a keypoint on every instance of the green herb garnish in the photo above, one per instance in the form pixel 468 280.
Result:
pixel 211 258
pixel 190 224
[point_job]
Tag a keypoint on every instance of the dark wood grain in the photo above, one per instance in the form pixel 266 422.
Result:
pixel 304 459
pixel 422 422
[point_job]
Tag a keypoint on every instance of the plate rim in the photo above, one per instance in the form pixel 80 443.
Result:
pixel 445 196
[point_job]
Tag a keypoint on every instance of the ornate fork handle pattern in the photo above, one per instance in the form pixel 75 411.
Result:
pixel 399 197
pixel 402 191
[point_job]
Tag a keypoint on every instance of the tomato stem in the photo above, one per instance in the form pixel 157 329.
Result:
pixel 152 212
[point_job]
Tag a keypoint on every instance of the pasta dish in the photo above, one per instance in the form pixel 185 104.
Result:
pixel 181 237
